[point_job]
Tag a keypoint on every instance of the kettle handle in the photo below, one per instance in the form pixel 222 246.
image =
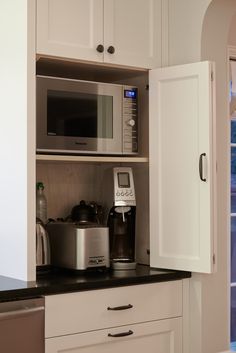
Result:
pixel 46 247
pixel 38 244
pixel 43 250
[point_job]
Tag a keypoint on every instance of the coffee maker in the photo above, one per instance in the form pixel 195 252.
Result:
pixel 121 221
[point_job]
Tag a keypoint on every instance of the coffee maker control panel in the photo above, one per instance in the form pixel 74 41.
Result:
pixel 124 193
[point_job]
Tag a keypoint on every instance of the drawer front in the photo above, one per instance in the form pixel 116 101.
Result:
pixel 164 336
pixel 96 309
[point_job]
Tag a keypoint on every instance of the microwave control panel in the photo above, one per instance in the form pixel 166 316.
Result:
pixel 124 193
pixel 130 120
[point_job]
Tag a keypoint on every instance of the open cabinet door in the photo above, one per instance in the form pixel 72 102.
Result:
pixel 182 167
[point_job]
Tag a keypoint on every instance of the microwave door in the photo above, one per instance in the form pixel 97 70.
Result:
pixel 109 119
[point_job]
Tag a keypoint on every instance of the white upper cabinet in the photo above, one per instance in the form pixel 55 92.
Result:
pixel 123 32
pixel 133 29
pixel 182 167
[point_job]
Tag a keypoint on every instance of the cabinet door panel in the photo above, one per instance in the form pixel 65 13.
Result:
pixel 70 28
pixel 182 167
pixel 164 336
pixel 133 28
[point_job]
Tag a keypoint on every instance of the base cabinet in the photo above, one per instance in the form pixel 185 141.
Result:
pixel 139 318
pixel 162 336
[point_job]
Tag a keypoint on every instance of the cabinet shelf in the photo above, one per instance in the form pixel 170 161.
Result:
pixel 93 159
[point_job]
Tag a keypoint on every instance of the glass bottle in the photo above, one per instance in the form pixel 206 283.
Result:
pixel 41 203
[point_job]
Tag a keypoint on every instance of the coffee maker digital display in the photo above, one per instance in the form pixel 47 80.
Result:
pixel 123 180
pixel 121 221
pixel 124 194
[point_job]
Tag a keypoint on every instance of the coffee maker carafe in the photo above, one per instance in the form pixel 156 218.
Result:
pixel 121 221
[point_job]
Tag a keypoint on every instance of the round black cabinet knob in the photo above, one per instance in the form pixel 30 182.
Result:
pixel 100 48
pixel 111 49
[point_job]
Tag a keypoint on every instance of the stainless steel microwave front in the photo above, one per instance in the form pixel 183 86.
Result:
pixel 85 117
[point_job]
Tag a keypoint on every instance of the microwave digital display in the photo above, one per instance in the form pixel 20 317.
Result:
pixel 79 114
pixel 130 93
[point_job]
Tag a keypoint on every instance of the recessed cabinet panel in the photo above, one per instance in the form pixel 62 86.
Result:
pixel 164 336
pixel 133 28
pixel 64 30
pixel 182 167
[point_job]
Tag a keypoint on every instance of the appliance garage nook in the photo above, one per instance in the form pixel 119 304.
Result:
pixel 92 110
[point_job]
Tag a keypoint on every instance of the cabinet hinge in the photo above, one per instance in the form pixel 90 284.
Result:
pixel 214 259
pixel 212 76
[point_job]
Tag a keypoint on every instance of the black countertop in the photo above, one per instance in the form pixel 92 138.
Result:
pixel 62 282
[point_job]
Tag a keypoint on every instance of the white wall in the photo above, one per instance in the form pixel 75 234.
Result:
pixel 215 288
pixel 215 42
pixel 232 32
pixel 198 30
pixel 17 138
pixel 183 30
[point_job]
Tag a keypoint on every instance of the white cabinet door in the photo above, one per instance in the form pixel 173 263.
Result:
pixel 133 29
pixel 70 28
pixel 182 167
pixel 164 336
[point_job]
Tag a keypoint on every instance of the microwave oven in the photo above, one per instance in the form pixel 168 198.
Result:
pixel 85 117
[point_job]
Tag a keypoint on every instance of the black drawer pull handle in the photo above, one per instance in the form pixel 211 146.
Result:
pixel 123 307
pixel 201 167
pixel 121 334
